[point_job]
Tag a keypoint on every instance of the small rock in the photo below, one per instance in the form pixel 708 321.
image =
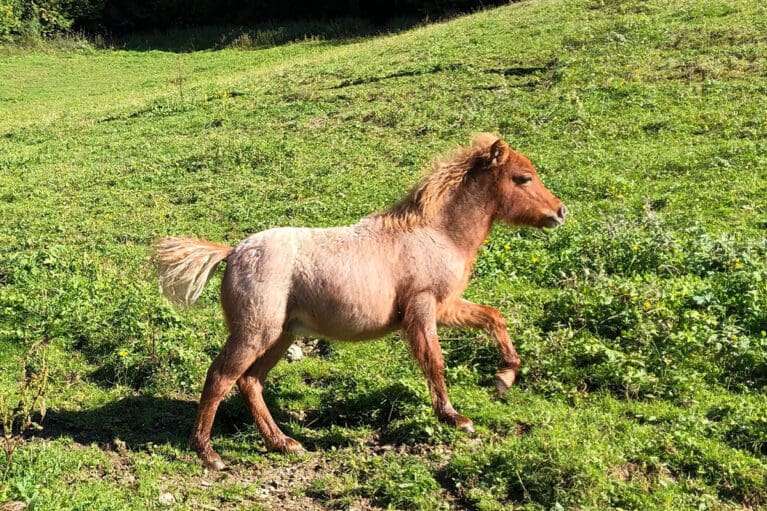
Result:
pixel 120 446
pixel 299 415
pixel 295 353
pixel 166 499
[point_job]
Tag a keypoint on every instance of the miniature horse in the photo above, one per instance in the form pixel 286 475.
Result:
pixel 403 269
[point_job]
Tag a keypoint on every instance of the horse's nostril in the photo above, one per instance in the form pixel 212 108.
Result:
pixel 562 211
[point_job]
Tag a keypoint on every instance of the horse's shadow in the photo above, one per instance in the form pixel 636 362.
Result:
pixel 139 422
pixel 136 421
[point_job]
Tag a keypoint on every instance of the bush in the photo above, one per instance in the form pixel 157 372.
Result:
pixel 43 18
pixel 10 18
pixel 47 17
pixel 634 307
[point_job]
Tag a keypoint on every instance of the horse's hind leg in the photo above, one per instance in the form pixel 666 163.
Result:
pixel 251 385
pixel 236 356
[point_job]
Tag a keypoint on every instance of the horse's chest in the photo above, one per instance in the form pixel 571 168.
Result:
pixel 442 277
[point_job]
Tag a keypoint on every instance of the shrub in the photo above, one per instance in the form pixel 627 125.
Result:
pixel 634 307
pixel 43 18
pixel 10 18
pixel 47 17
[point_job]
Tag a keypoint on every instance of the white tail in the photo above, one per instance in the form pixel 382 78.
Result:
pixel 185 265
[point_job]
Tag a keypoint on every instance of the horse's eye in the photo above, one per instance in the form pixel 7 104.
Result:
pixel 522 179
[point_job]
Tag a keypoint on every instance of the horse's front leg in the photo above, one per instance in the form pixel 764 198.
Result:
pixel 420 325
pixel 465 313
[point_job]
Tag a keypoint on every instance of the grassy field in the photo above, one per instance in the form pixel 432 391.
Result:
pixel 641 322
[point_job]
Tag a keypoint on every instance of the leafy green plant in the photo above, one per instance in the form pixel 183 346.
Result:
pixel 10 18
pixel 19 409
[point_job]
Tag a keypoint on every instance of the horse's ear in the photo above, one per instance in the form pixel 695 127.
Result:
pixel 499 152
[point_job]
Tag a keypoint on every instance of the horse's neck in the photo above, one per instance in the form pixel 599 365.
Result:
pixel 468 227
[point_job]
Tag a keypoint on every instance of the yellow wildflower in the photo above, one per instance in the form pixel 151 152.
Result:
pixel 123 353
pixel 507 247
pixel 634 247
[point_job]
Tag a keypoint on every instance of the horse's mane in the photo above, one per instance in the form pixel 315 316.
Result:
pixel 426 198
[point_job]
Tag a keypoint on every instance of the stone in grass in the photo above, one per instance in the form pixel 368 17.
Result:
pixel 166 499
pixel 295 353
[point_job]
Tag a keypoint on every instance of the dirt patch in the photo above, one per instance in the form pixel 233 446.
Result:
pixel 272 486
pixel 284 487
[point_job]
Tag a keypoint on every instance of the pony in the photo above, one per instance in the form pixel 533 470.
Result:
pixel 402 269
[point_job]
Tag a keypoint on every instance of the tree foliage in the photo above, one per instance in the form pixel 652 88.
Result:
pixel 46 17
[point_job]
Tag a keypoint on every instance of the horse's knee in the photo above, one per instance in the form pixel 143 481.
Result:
pixel 244 383
pixel 496 320
pixel 213 378
pixel 248 384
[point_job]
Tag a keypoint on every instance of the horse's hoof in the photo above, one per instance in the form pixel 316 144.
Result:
pixel 288 445
pixel 504 380
pixel 206 453
pixel 462 423
pixel 294 447
pixel 216 465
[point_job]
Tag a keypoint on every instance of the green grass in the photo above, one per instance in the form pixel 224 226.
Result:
pixel 641 322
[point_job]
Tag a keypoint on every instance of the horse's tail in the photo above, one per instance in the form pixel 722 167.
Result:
pixel 185 265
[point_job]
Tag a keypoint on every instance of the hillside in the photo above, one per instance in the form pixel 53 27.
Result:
pixel 642 322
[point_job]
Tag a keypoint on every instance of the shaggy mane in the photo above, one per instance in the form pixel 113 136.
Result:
pixel 424 201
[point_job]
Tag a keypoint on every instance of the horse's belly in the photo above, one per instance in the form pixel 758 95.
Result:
pixel 337 332
pixel 347 309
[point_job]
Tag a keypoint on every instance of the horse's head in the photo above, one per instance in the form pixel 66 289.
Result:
pixel 521 197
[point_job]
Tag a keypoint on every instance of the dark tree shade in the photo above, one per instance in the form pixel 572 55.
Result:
pixel 133 15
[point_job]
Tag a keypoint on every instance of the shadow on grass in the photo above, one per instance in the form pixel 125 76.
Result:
pixel 520 71
pixel 137 420
pixel 333 32
pixel 258 26
pixel 141 421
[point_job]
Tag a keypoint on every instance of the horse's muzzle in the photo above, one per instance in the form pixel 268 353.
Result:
pixel 556 219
